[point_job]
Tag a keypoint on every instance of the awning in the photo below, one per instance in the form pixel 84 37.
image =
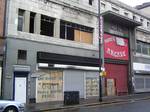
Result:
pixel 51 58
pixel 120 19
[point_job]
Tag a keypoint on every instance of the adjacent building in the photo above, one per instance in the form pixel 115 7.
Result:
pixel 142 56
pixel 2 39
pixel 52 47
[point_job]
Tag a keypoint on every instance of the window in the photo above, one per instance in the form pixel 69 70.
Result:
pixel 102 6
pixel 47 26
pixel 148 25
pixel 143 48
pixel 115 10
pixel 32 20
pixel 126 14
pixel 134 17
pixel 22 56
pixel 76 32
pixel 90 2
pixel 141 21
pixel 139 48
pixel 20 19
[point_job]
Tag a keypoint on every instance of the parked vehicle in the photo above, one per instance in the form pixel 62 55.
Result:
pixel 11 106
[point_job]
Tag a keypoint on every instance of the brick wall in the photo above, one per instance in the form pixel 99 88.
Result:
pixel 2 7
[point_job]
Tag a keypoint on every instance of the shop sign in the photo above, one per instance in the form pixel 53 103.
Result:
pixel 115 47
pixel 141 67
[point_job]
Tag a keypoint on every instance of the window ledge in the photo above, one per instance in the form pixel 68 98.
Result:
pixel 142 55
pixel 54 40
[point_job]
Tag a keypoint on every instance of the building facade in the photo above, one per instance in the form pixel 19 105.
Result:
pixel 47 52
pixel 52 47
pixel 141 64
pixel 2 39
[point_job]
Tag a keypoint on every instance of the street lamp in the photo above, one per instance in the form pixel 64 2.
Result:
pixel 100 19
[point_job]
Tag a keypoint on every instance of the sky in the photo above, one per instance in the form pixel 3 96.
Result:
pixel 134 2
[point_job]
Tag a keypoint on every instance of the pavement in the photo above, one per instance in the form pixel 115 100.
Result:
pixel 131 106
pixel 50 106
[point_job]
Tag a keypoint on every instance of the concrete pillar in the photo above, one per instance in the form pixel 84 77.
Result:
pixel 57 28
pixel 132 50
pixel 37 25
pixel 32 61
pixel 26 21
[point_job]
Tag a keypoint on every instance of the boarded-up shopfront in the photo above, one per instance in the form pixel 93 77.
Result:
pixel 49 86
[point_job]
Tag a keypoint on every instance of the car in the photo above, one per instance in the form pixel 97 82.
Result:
pixel 11 106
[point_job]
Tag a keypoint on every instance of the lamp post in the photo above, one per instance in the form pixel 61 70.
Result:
pixel 100 19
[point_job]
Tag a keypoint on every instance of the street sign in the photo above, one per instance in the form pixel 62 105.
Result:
pixel 101 28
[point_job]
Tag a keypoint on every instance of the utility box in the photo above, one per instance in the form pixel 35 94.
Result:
pixel 71 97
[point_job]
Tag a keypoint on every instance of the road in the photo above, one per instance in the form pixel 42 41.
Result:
pixel 133 106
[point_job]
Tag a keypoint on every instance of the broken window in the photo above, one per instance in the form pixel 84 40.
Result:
pixel 76 32
pixel 32 22
pixel 47 26
pixel 90 2
pixel 20 19
pixel 66 31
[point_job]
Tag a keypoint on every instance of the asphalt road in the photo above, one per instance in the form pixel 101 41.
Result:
pixel 138 106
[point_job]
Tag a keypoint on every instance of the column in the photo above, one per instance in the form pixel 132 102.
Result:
pixel 26 21
pixel 57 28
pixel 37 25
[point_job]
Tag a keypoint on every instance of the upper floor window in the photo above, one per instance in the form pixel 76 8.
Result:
pixel 22 56
pixel 90 2
pixel 126 14
pixel 76 32
pixel 103 6
pixel 143 48
pixel 47 26
pixel 115 10
pixel 141 20
pixel 134 17
pixel 32 22
pixel 148 24
pixel 20 19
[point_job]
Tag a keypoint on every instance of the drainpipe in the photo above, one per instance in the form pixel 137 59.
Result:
pixel 5 46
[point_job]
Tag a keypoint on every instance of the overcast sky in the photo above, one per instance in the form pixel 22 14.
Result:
pixel 134 2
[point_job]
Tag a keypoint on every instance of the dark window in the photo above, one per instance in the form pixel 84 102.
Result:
pixel 47 26
pixel 134 17
pixel 66 31
pixel 20 19
pixel 22 54
pixel 141 21
pixel 139 49
pixel 90 2
pixel 32 22
pixel 148 24
pixel 143 48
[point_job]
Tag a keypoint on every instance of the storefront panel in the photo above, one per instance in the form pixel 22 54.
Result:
pixel 142 83
pixel 118 73
pixel 49 86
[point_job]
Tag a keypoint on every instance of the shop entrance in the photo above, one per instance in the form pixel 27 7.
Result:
pixel 118 73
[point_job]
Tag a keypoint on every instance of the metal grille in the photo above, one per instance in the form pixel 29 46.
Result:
pixel 147 83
